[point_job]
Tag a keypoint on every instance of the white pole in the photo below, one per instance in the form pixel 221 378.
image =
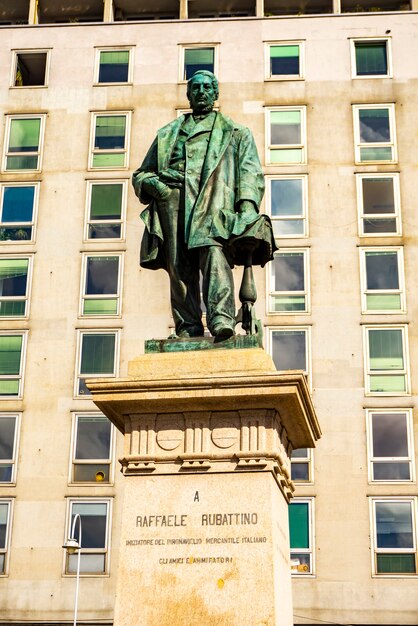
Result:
pixel 77 583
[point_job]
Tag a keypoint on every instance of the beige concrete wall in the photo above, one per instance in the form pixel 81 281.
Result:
pixel 342 589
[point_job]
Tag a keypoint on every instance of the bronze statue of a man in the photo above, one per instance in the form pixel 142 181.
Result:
pixel 203 184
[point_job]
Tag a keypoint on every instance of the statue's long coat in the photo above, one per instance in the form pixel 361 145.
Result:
pixel 231 172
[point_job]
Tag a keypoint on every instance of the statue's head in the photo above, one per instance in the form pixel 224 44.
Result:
pixel 202 91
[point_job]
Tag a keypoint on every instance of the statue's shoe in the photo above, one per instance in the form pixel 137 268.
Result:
pixel 222 331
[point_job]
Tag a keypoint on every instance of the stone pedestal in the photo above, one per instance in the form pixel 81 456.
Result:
pixel 208 437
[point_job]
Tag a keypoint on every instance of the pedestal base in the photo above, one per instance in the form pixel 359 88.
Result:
pixel 204 550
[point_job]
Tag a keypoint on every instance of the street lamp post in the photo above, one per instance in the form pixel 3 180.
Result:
pixel 72 546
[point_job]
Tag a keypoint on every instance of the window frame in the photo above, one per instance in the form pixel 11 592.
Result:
pixel 95 331
pixel 267 59
pixel 303 133
pixel 371 459
pixel 392 144
pixel 373 536
pixel 308 352
pixel 73 461
pixel 363 281
pixel 7 542
pixel 20 377
pixel 117 296
pixel 122 48
pixel 125 151
pixel 106 550
pixel 182 58
pixel 371 40
pixel 305 208
pixel 305 293
pixel 39 153
pixel 309 460
pixel 405 371
pixel 87 221
pixel 362 217
pixel 16 440
pixel 15 54
pixel 27 297
pixel 310 501
pixel 32 224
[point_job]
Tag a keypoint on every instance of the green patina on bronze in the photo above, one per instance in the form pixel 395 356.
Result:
pixel 202 183
pixel 239 342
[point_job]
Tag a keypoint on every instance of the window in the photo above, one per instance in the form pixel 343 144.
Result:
pixel 112 66
pixel 284 60
pixel 94 515
pixel 30 68
pixel 92 449
pixel 382 280
pixel 289 348
pixel 110 143
pixel 301 465
pixel 106 202
pixel 23 143
pixel 9 429
pixel 387 367
pixel 12 347
pixel 390 445
pixel 287 201
pixel 374 130
pixel 14 286
pixel 379 204
pixel 286 135
pixel 370 58
pixel 98 357
pixel 289 282
pixel 5 524
pixel 301 536
pixel 101 284
pixel 195 58
pixel 17 212
pixel 394 536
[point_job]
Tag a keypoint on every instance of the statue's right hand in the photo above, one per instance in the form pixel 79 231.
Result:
pixel 155 188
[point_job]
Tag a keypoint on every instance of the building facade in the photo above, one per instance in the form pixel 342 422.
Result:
pixel 330 95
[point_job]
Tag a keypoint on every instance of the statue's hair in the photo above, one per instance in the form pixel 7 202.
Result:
pixel 212 76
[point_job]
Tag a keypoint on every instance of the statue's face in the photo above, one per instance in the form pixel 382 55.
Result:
pixel 202 95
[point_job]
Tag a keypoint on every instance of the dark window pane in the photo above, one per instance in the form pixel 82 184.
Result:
pixel 390 435
pixel 30 69
pixel 10 352
pixel 371 58
pixel 299 525
pixel 289 272
pixel 13 277
pixel 18 204
pixel 286 197
pixel 93 438
pixel 382 270
pixel 106 202
pixel 284 60
pixel 104 231
pixel 114 66
pixel 396 564
pixel 5 473
pixel 374 125
pixel 198 59
pixel 378 226
pixel 110 132
pixel 7 436
pixel 300 453
pixel 391 471
pixel 93 524
pixel 97 354
pixel 4 510
pixel 289 350
pixel 102 275
pixel 378 195
pixel 300 471
pixel 394 525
